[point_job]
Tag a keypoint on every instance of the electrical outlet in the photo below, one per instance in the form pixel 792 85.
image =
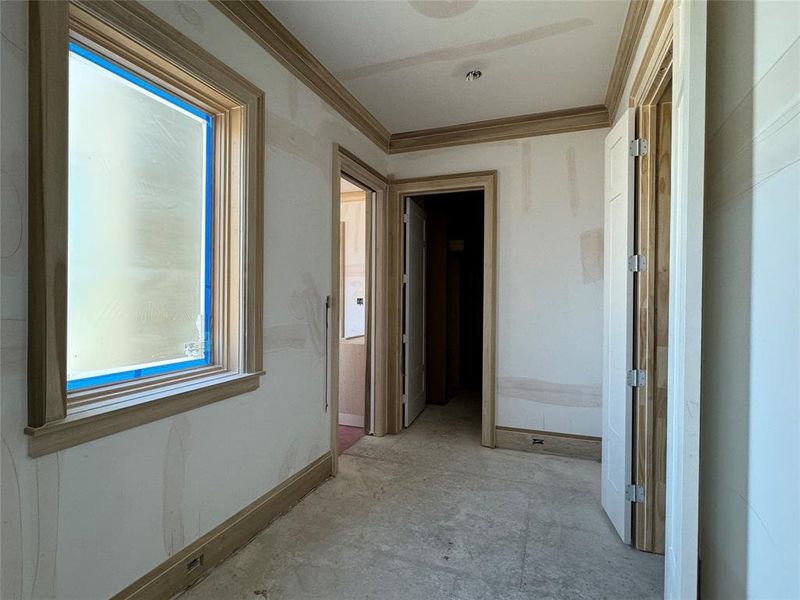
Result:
pixel 194 564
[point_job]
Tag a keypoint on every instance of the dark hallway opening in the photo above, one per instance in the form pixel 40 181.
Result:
pixel 454 302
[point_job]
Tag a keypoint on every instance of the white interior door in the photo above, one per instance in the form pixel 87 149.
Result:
pixel 618 325
pixel 685 299
pixel 414 330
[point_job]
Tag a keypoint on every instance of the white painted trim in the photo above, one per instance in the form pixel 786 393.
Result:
pixel 351 420
pixel 685 300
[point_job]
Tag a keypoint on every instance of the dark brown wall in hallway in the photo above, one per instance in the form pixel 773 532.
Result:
pixel 454 294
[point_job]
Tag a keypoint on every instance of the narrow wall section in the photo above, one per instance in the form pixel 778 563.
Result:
pixel 750 437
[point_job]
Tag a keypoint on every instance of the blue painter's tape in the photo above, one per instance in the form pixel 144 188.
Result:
pixel 208 119
pixel 128 76
pixel 107 378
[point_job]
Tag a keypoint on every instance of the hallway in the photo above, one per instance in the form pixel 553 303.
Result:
pixel 431 514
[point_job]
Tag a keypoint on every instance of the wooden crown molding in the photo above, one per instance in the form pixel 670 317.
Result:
pixel 657 58
pixel 264 28
pixel 260 24
pixel 632 31
pixel 493 130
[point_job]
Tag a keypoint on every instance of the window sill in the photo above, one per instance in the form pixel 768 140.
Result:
pixel 84 423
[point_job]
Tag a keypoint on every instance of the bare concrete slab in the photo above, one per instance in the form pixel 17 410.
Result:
pixel 431 514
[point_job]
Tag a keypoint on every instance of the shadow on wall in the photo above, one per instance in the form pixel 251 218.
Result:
pixel 727 283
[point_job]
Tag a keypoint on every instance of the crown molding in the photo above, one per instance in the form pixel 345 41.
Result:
pixel 657 57
pixel 260 24
pixel 264 28
pixel 494 130
pixel 632 31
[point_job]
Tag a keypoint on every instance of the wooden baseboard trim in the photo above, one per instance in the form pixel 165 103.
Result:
pixel 192 563
pixel 549 442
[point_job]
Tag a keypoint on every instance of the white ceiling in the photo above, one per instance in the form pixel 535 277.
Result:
pixel 406 60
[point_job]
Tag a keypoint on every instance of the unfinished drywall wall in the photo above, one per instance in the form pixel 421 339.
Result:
pixel 89 520
pixel 549 272
pixel 750 438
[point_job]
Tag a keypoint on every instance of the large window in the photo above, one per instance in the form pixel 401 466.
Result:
pixel 139 239
pixel 146 193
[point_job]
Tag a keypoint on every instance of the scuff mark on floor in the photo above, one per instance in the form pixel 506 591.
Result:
pixel 307 305
pixel 592 255
pixel 526 166
pixel 465 51
pixel 174 486
pixel 572 182
pixel 285 337
pixel 11 503
pixel 48 492
pixel 547 392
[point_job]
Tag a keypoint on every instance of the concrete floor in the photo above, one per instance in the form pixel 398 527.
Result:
pixel 431 514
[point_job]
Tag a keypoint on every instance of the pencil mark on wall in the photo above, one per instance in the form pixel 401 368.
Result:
pixel 294 96
pixel 11 503
pixel 190 15
pixel 289 461
pixel 13 345
pixel 572 181
pixel 547 392
pixel 12 221
pixel 442 9
pixel 285 337
pixel 526 166
pixel 287 136
pixel 175 484
pixel 592 255
pixel 13 26
pixel 48 492
pixel 467 50
pixel 307 305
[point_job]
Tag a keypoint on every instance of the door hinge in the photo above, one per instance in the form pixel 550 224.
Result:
pixel 634 493
pixel 405 338
pixel 405 398
pixel 638 147
pixel 637 377
pixel 405 217
pixel 637 263
pixel 405 277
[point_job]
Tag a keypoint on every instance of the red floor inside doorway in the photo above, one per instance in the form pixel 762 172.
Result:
pixel 348 436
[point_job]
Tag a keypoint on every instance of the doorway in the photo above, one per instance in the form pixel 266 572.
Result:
pixel 443 302
pixel 356 369
pixel 409 377
pixel 355 299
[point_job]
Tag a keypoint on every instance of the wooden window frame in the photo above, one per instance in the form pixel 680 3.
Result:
pixel 143 44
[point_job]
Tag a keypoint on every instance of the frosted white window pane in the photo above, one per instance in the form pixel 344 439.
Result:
pixel 137 194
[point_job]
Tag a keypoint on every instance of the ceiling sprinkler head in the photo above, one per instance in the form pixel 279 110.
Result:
pixel 473 75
